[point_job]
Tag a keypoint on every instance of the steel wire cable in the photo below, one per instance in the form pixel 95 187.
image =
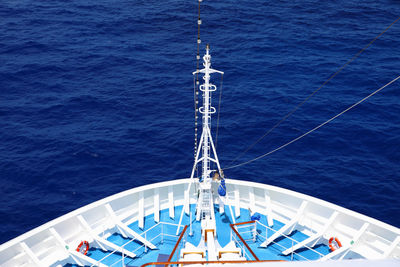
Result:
pixel 196 84
pixel 312 94
pixel 219 110
pixel 315 128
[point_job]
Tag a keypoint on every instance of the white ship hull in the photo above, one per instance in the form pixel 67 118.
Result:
pixel 54 243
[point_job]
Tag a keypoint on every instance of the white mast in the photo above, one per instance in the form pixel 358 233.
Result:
pixel 206 144
pixel 204 205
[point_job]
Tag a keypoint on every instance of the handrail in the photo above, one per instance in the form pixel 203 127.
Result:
pixel 134 238
pixel 241 223
pixel 177 243
pixel 241 238
pixel 205 262
pixel 290 238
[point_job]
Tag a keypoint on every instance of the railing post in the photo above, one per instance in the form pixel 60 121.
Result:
pixel 241 238
pixel 254 231
pixel 190 222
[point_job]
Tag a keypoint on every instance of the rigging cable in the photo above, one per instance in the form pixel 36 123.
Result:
pixel 316 128
pixel 219 109
pixel 196 84
pixel 313 93
pixel 195 116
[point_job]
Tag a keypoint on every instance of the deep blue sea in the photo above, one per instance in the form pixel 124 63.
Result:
pixel 96 97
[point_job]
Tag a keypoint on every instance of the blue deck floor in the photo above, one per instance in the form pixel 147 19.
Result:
pixel 165 243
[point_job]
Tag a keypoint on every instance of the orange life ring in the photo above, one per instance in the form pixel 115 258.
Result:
pixel 331 244
pixel 85 250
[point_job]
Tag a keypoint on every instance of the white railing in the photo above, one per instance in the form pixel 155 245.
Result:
pixel 294 242
pixel 252 231
pixel 162 234
pixel 177 254
pixel 254 235
pixel 240 245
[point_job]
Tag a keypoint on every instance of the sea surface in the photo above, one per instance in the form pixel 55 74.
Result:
pixel 96 97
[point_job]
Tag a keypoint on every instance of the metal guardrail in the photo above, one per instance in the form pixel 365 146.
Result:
pixel 294 242
pixel 177 243
pixel 162 234
pixel 203 262
pixel 241 238
pixel 256 235
pixel 235 229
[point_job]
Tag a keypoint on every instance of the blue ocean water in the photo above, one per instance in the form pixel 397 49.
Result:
pixel 96 97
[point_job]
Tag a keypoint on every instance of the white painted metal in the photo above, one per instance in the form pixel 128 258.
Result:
pixel 103 243
pixel 252 201
pixel 156 205
pixel 345 248
pixel 287 228
pixel 186 204
pixel 126 231
pixel 171 202
pixel 93 236
pixel 270 219
pixel 382 241
pixel 141 210
pixel 29 252
pixel 392 247
pixel 205 201
pixel 206 110
pixel 221 204
pixel 78 258
pixel 187 200
pixel 230 203
pixel 211 249
pixel 237 202
pixel 314 238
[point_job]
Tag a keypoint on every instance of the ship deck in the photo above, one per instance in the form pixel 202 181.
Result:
pixel 163 235
pixel 142 225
